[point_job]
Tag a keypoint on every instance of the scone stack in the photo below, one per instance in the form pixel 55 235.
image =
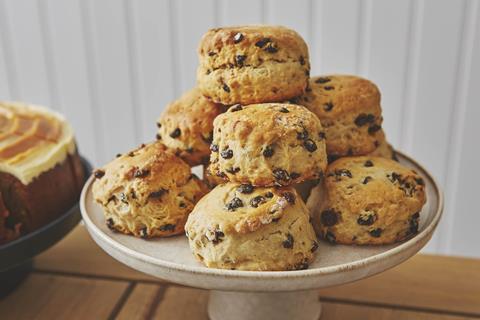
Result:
pixel 254 219
pixel 262 128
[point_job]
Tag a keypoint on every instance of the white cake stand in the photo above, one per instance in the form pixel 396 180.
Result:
pixel 252 295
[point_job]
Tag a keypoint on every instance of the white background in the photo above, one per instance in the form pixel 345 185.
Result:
pixel 112 65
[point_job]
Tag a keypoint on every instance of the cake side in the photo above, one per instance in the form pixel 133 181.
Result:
pixel 45 198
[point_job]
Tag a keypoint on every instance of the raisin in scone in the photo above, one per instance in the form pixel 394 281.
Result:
pixel 268 144
pixel 238 226
pixel 252 64
pixel 367 200
pixel 147 192
pixel 384 149
pixel 186 126
pixel 349 109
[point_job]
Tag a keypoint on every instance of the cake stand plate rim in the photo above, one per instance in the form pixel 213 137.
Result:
pixel 206 278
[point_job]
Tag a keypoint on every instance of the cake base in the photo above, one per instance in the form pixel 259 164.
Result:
pixel 299 305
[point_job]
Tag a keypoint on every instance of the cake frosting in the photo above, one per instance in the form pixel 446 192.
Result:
pixel 33 139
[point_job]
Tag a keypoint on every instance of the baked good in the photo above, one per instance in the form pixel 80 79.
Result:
pixel 367 200
pixel 211 180
pixel 349 109
pixel 384 149
pixel 268 144
pixel 186 126
pixel 41 174
pixel 243 227
pixel 252 64
pixel 147 192
pixel 9 229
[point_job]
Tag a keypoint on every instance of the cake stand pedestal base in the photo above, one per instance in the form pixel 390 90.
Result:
pixel 263 295
pixel 300 305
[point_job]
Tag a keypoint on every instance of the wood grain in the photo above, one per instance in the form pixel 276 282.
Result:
pixel 333 311
pixel 442 284
pixel 186 303
pixel 58 297
pixel 183 303
pixel 142 302
pixel 78 254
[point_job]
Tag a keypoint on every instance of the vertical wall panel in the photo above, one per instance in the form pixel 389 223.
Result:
pixel 292 14
pixel 336 38
pixel 153 61
pixel 193 19
pixel 4 83
pixel 462 223
pixel 442 23
pixel 22 17
pixel 8 81
pixel 387 59
pixel 233 12
pixel 67 43
pixel 111 70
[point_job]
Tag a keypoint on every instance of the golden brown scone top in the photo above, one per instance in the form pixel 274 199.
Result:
pixel 267 122
pixel 242 208
pixel 258 43
pixel 186 126
pixel 150 171
pixel 267 144
pixel 366 180
pixel 349 109
pixel 332 95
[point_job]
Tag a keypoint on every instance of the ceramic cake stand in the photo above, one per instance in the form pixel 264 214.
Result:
pixel 262 295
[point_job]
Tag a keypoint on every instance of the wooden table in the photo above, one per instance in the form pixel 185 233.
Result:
pixel 77 280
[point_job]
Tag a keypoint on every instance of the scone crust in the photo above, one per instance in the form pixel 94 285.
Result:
pixel 147 192
pixel 369 200
pixel 384 149
pixel 186 126
pixel 268 144
pixel 251 228
pixel 210 179
pixel 252 64
pixel 349 109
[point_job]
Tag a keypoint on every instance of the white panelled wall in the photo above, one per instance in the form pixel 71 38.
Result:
pixel 112 65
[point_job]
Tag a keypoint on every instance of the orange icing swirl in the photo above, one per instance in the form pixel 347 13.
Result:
pixel 32 140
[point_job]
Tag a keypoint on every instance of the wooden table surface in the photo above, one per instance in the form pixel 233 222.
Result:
pixel 76 280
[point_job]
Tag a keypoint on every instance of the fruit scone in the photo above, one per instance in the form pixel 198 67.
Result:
pixel 252 64
pixel 349 110
pixel 41 174
pixel 186 126
pixel 239 226
pixel 268 144
pixel 147 192
pixel 367 200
